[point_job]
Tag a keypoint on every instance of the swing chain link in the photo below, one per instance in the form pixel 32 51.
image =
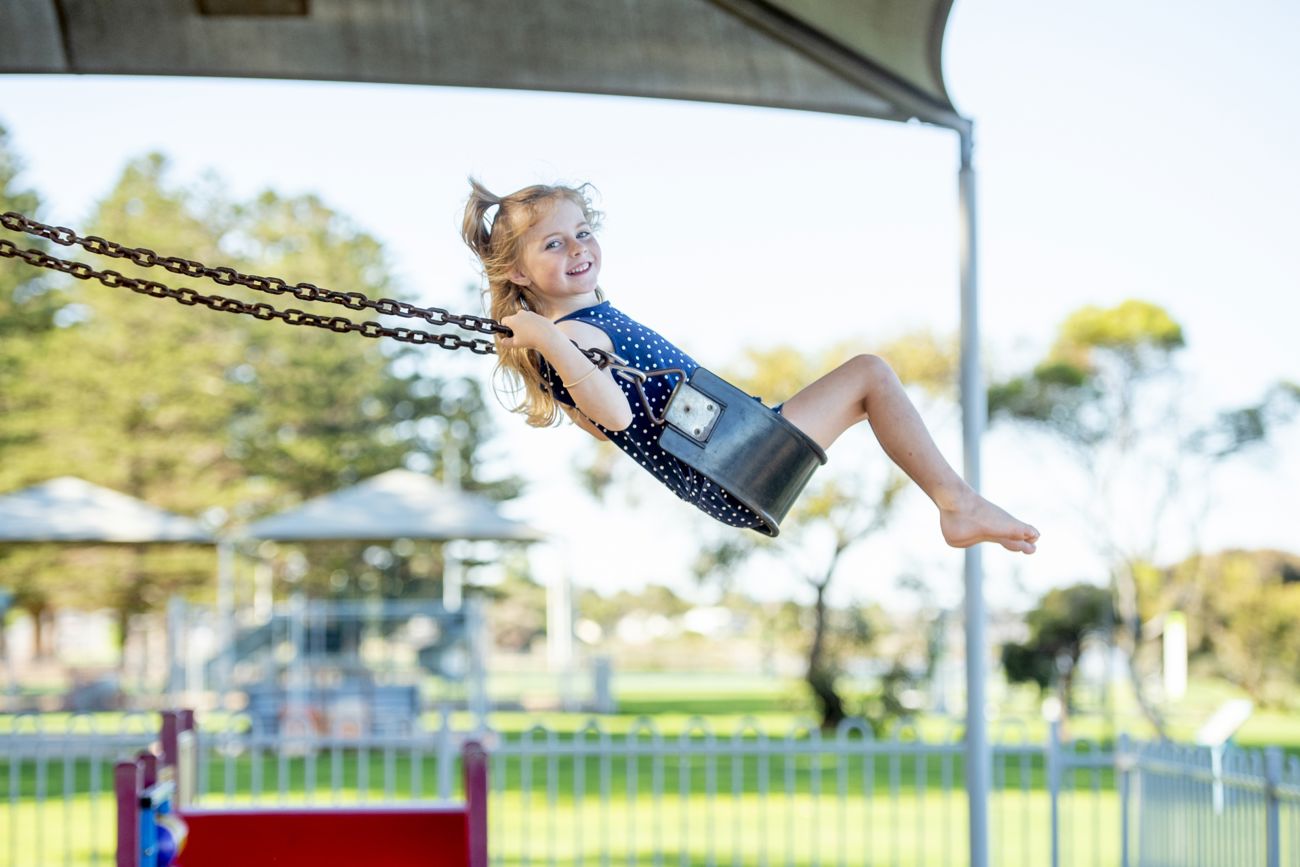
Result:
pixel 292 316
pixel 226 276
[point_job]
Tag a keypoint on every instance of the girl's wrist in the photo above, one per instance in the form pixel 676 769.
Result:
pixel 553 341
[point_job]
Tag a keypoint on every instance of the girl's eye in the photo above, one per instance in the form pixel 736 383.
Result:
pixel 550 245
pixel 584 234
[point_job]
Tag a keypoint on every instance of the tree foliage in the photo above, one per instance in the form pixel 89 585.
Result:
pixel 206 413
pixel 1094 374
pixel 1243 616
pixel 29 306
pixel 1057 626
pixel 1109 389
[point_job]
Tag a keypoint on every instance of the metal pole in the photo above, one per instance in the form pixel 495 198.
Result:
pixel 1272 819
pixel 177 649
pixel 1124 767
pixel 453 576
pixel 979 760
pixel 1054 787
pixel 225 614
pixel 476 636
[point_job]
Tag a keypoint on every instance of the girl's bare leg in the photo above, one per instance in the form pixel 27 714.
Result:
pixel 867 389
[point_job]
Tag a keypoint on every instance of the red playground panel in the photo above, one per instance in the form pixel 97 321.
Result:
pixel 380 837
pixel 160 826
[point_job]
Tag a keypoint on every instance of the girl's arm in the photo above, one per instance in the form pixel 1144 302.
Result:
pixel 595 392
pixel 585 423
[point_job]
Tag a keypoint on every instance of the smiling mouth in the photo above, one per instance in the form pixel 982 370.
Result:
pixel 581 269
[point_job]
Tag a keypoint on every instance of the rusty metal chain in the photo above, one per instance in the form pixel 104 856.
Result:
pixel 147 258
pixel 263 311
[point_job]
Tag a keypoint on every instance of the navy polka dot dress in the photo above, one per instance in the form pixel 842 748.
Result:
pixel 646 350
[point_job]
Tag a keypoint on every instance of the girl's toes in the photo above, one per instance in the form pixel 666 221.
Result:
pixel 1019 545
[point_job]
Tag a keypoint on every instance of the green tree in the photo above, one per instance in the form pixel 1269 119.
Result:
pixel 28 302
pixel 1243 616
pixel 317 410
pixel 1058 626
pixel 29 307
pixel 1110 391
pixel 194 410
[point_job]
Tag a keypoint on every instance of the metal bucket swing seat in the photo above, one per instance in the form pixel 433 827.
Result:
pixel 713 427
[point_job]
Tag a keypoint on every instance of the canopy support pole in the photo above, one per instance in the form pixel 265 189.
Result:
pixel 979 761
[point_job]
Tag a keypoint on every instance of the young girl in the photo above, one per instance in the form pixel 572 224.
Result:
pixel 539 253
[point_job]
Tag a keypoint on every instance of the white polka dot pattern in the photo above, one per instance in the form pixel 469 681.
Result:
pixel 646 350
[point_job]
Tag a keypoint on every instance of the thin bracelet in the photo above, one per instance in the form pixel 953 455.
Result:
pixel 580 379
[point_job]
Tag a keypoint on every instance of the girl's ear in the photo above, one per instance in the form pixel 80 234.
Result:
pixel 519 278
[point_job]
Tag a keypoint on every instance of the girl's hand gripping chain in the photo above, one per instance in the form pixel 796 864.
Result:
pixel 597 395
pixel 531 331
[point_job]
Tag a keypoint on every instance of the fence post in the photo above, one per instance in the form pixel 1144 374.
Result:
pixel 1123 766
pixel 126 791
pixel 474 761
pixel 1054 786
pixel 1272 823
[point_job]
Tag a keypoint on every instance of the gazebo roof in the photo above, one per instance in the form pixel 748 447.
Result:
pixel 398 504
pixel 872 58
pixel 68 509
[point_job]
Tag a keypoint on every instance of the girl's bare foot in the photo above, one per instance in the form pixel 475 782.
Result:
pixel 974 520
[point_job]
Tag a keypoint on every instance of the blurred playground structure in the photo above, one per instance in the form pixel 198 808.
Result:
pixel 322 664
pixel 337 666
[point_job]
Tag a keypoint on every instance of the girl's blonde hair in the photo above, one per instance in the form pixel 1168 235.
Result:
pixel 496 240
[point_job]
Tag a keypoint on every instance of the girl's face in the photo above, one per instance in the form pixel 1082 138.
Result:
pixel 559 260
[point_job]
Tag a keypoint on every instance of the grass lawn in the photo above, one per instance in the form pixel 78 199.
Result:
pixel 548 809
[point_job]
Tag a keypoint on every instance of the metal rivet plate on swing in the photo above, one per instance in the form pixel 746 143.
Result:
pixel 693 413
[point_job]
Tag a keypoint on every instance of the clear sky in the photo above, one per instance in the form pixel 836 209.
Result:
pixel 1124 150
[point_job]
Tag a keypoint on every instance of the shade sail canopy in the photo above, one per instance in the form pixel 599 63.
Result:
pixel 398 504
pixel 73 510
pixel 872 58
